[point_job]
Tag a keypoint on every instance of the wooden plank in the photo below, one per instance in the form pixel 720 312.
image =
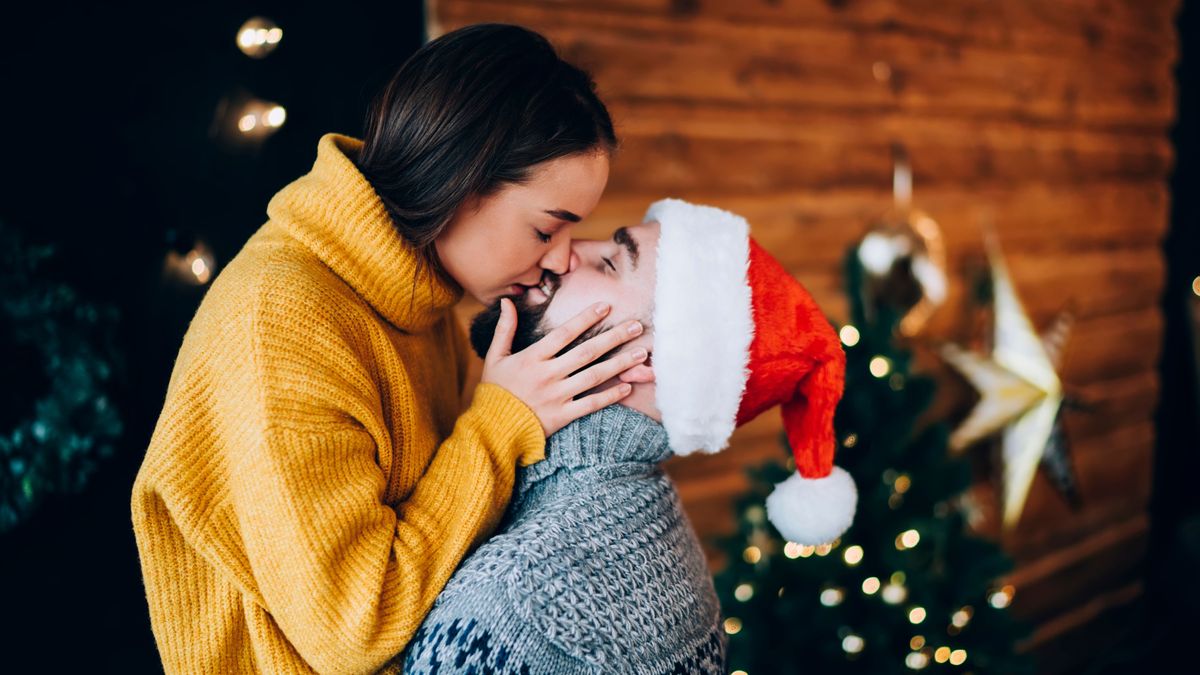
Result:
pixel 669 161
pixel 1065 642
pixel 641 57
pixel 1128 30
pixel 1052 583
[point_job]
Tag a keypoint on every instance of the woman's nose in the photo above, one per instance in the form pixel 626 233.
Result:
pixel 559 260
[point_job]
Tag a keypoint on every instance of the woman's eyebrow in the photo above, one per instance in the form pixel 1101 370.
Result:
pixel 622 237
pixel 563 214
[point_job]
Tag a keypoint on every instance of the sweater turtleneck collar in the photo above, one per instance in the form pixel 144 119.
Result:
pixel 336 213
pixel 613 435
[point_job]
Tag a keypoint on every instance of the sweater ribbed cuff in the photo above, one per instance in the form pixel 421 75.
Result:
pixel 510 423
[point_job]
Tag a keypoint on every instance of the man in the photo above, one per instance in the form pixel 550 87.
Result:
pixel 596 569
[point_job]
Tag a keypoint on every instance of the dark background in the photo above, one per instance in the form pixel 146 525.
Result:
pixel 106 152
pixel 108 156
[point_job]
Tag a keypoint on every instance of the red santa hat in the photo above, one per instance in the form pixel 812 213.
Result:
pixel 734 335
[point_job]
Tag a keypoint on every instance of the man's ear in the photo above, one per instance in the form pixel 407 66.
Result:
pixel 641 373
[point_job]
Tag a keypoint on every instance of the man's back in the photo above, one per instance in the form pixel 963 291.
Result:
pixel 596 569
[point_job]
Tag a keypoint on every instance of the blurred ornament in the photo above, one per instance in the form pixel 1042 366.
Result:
pixel 258 37
pixel 1020 392
pixel 904 256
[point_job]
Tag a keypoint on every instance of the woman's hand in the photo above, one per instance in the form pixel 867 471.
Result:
pixel 545 383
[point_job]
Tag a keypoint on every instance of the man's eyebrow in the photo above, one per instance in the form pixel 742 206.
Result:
pixel 563 214
pixel 622 237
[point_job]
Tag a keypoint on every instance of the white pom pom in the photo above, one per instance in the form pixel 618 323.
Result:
pixel 813 511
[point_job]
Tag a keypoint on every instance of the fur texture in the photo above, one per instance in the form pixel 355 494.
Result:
pixel 702 315
pixel 813 511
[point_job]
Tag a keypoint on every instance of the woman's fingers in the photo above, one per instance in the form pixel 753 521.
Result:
pixel 506 328
pixel 603 372
pixel 563 335
pixel 593 402
pixel 598 346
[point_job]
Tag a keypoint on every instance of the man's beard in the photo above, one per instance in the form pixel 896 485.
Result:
pixel 529 325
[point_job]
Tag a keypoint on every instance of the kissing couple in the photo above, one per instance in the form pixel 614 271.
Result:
pixel 595 567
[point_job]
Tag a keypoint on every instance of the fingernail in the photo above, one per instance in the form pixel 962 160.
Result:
pixel 635 328
pixel 602 308
pixel 626 388
pixel 639 354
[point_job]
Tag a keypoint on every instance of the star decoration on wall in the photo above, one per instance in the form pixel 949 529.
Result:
pixel 1020 393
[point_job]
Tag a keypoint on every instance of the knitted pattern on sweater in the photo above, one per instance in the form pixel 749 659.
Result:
pixel 596 569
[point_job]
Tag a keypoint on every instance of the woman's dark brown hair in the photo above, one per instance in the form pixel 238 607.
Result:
pixel 468 113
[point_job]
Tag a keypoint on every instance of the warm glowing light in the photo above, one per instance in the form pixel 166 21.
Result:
pixel 1196 285
pixel 852 644
pixel 916 642
pixel 1002 598
pixel 916 660
pixel 898 578
pixel 958 657
pixel 752 554
pixel 942 654
pixel 832 597
pixel 910 538
pixel 894 594
pixel 824 549
pixel 743 592
pixel 851 440
pixel 247 122
pixel 849 335
pixel 733 625
pixel 276 116
pixel 738 672
pixel 903 482
pixel 880 366
pixel 258 37
pixel 853 555
pixel 792 550
pixel 200 268
pixel 870 585
pixel 916 614
pixel 961 617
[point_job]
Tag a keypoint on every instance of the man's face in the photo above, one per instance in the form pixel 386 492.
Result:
pixel 620 270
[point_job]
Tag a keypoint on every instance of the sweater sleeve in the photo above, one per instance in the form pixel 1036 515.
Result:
pixel 346 577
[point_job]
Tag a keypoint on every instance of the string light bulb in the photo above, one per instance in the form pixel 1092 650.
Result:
pixel 832 597
pixel 258 37
pixel 849 335
pixel 733 625
pixel 880 366
pixel 870 585
pixel 743 592
pixel 752 554
pixel 1002 598
pixel 916 660
pixel 853 644
pixel 853 555
pixel 916 615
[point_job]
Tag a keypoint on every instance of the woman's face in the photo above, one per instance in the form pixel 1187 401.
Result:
pixel 500 244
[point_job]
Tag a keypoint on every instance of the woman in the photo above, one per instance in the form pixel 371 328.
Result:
pixel 311 483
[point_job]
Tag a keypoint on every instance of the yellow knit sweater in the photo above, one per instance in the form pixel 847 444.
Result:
pixel 312 483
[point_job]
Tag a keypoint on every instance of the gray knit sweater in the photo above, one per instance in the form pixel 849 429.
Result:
pixel 595 569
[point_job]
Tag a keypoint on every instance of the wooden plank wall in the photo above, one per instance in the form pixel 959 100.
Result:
pixel 1049 117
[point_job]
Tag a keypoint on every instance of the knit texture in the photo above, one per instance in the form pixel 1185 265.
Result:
pixel 312 482
pixel 596 569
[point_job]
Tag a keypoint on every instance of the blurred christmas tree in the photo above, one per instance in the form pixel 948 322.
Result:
pixel 56 362
pixel 908 587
